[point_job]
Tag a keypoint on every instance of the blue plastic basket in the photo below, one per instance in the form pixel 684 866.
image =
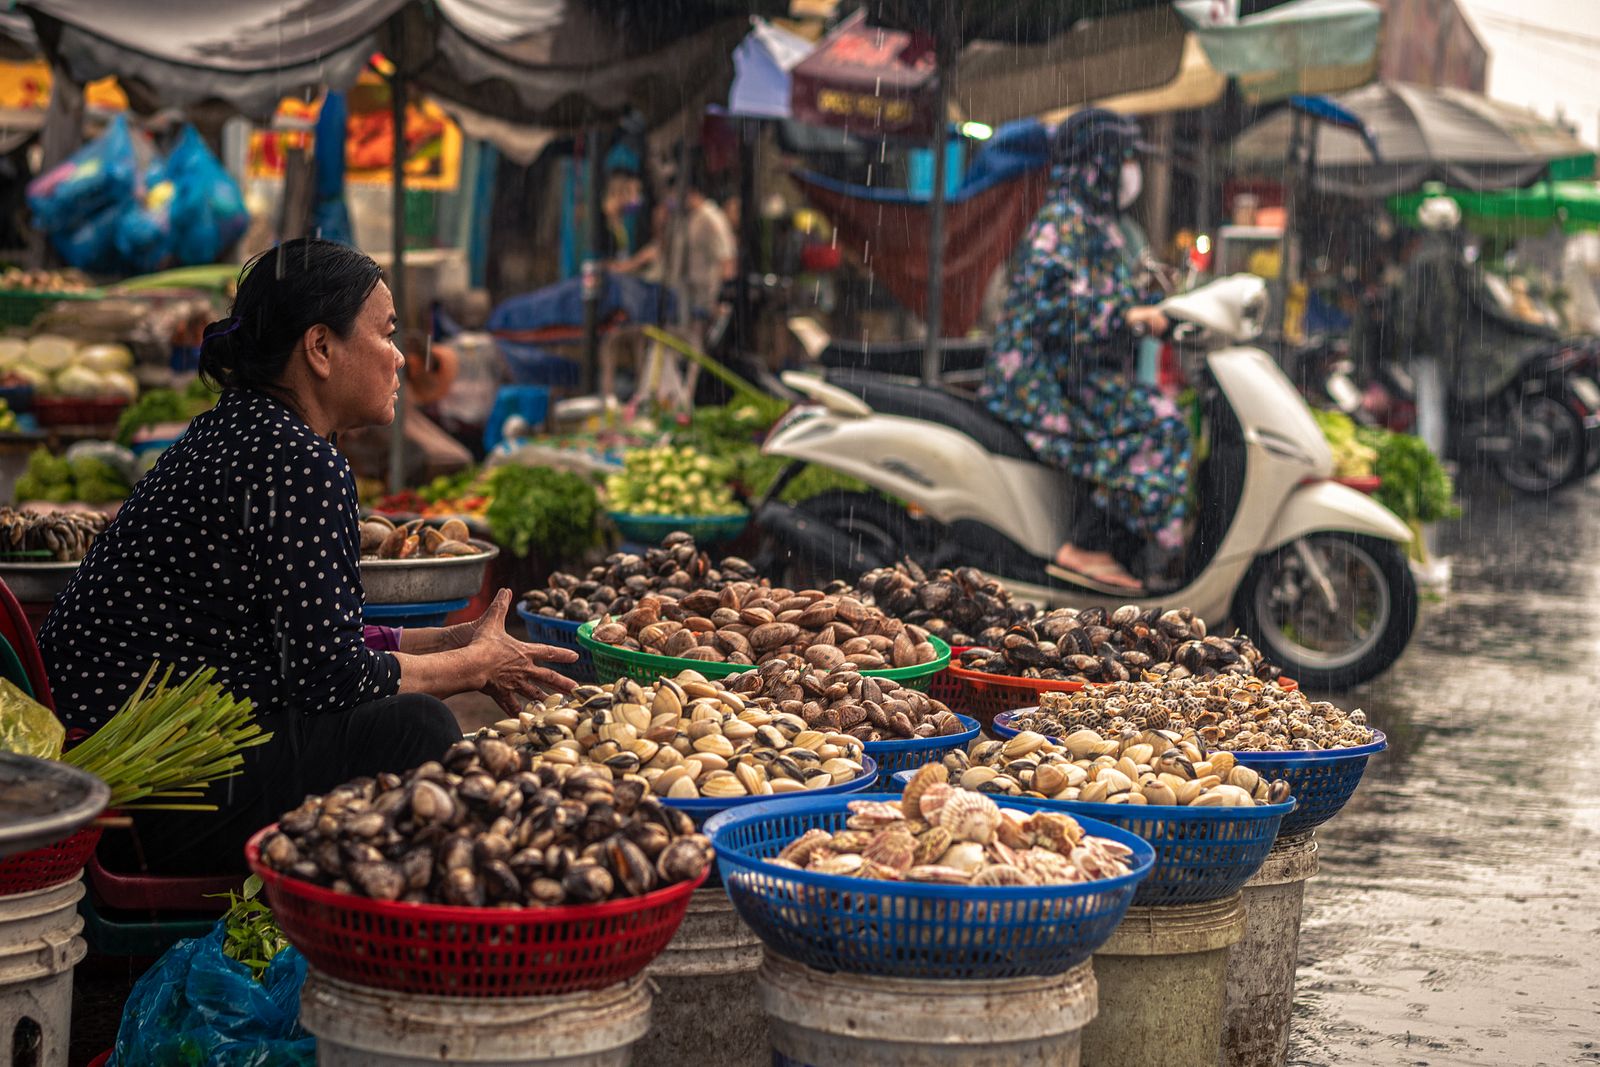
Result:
pixel 910 929
pixel 416 615
pixel 1322 782
pixel 705 529
pixel 895 756
pixel 562 633
pixel 1001 727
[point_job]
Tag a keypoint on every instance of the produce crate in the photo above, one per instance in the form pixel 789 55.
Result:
pixel 562 633
pixel 445 950
pixel 19 307
pixel 78 411
pixel 911 929
pixel 611 663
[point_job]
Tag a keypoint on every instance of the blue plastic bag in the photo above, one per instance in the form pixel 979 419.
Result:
pixel 207 213
pixel 91 245
pixel 198 1008
pixel 104 173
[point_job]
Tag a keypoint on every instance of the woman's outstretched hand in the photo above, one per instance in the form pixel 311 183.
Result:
pixel 1148 320
pixel 511 670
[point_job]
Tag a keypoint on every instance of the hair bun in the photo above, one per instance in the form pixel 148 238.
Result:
pixel 219 352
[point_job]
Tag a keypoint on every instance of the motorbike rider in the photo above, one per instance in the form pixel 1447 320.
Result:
pixel 1430 311
pixel 1060 370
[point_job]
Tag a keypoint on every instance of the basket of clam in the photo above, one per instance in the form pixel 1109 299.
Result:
pixel 1318 748
pixel 1211 822
pixel 482 876
pixel 941 883
pixel 1066 650
pixel 728 631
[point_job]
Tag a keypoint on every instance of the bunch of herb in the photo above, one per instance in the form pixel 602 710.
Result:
pixel 250 934
pixel 536 509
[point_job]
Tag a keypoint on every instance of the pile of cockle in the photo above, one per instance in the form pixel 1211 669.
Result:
pixel 751 624
pixel 963 606
pixel 941 834
pixel 686 737
pixel 482 828
pixel 1170 767
pixel 844 699
pixel 382 539
pixel 1237 715
pixel 1094 645
pixel 615 587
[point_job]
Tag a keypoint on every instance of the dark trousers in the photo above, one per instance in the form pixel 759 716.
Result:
pixel 308 754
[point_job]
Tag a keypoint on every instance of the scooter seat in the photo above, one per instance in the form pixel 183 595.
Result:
pixel 932 404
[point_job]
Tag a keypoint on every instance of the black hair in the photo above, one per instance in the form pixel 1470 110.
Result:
pixel 282 293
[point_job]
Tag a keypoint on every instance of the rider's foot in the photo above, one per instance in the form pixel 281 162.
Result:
pixel 1100 568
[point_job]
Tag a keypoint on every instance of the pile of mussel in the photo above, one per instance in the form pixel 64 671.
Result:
pixel 1168 767
pixel 382 539
pixel 1096 645
pixel 483 828
pixel 749 624
pixel 1226 713
pixel 843 699
pixel 962 606
pixel 615 587
pixel 940 834
pixel 686 737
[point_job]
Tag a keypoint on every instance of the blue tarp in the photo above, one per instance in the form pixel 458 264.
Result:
pixel 561 305
pixel 1015 149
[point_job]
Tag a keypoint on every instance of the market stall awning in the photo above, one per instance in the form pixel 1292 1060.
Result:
pixel 762 66
pixel 1303 46
pixel 1461 138
pixel 183 52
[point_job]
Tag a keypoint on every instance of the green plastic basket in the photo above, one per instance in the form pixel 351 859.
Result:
pixel 705 529
pixel 19 307
pixel 611 663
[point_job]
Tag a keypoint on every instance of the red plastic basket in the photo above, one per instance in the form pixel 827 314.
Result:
pixel 48 866
pixel 78 411
pixel 157 893
pixel 439 950
pixel 986 695
pixel 946 687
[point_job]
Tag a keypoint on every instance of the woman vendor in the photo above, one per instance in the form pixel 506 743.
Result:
pixel 240 551
pixel 1062 353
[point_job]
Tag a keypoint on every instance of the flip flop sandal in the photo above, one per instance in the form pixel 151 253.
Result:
pixel 1092 581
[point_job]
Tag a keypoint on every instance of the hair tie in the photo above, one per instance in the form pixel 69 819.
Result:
pixel 230 329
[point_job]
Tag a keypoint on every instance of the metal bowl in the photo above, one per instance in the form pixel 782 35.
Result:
pixel 37 583
pixel 426 581
pixel 44 801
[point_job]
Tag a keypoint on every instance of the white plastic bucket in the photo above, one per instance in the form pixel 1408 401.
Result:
pixel 1162 977
pixel 706 1011
pixel 1261 967
pixel 360 1027
pixel 844 1020
pixel 39 947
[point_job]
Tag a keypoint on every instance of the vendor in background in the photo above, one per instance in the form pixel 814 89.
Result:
pixel 1431 312
pixel 1063 351
pixel 240 551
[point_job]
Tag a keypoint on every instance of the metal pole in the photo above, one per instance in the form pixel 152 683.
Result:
pixel 592 273
pixel 1291 176
pixel 931 363
pixel 397 267
pixel 749 238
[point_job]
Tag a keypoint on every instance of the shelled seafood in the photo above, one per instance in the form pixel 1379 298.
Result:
pixel 842 699
pixel 66 535
pixel 1096 645
pixel 482 828
pixel 941 834
pixel 614 587
pixel 685 737
pixel 962 606
pixel 1165 767
pixel 753 624
pixel 382 539
pixel 1232 714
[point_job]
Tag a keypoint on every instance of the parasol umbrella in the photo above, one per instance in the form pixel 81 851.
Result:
pixel 1574 206
pixel 1408 135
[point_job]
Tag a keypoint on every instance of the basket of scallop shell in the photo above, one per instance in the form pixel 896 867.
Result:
pixel 420 562
pixel 942 883
pixel 1211 820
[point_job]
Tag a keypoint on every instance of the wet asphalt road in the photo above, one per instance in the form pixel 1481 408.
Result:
pixel 1456 918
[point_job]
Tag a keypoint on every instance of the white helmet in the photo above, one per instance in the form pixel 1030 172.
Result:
pixel 1439 213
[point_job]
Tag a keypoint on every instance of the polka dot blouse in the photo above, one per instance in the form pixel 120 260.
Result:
pixel 239 551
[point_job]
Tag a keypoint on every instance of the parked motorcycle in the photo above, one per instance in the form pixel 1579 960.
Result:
pixel 1314 572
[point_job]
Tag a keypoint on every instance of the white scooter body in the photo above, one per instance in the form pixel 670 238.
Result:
pixel 949 476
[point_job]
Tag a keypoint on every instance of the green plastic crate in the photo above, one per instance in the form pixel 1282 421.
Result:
pixel 19 307
pixel 611 663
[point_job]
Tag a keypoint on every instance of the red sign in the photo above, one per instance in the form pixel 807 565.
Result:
pixel 869 81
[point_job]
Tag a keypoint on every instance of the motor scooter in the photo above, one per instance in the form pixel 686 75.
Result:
pixel 1313 571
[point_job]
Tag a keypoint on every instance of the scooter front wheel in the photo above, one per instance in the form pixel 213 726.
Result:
pixel 1333 609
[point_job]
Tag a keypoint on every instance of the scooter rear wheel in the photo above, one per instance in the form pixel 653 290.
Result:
pixel 1546 444
pixel 1281 605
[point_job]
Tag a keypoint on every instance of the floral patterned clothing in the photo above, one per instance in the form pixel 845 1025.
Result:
pixel 1055 375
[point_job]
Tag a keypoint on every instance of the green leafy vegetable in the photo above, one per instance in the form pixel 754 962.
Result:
pixel 250 933
pixel 1415 485
pixel 1352 456
pixel 538 509
pixel 157 406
